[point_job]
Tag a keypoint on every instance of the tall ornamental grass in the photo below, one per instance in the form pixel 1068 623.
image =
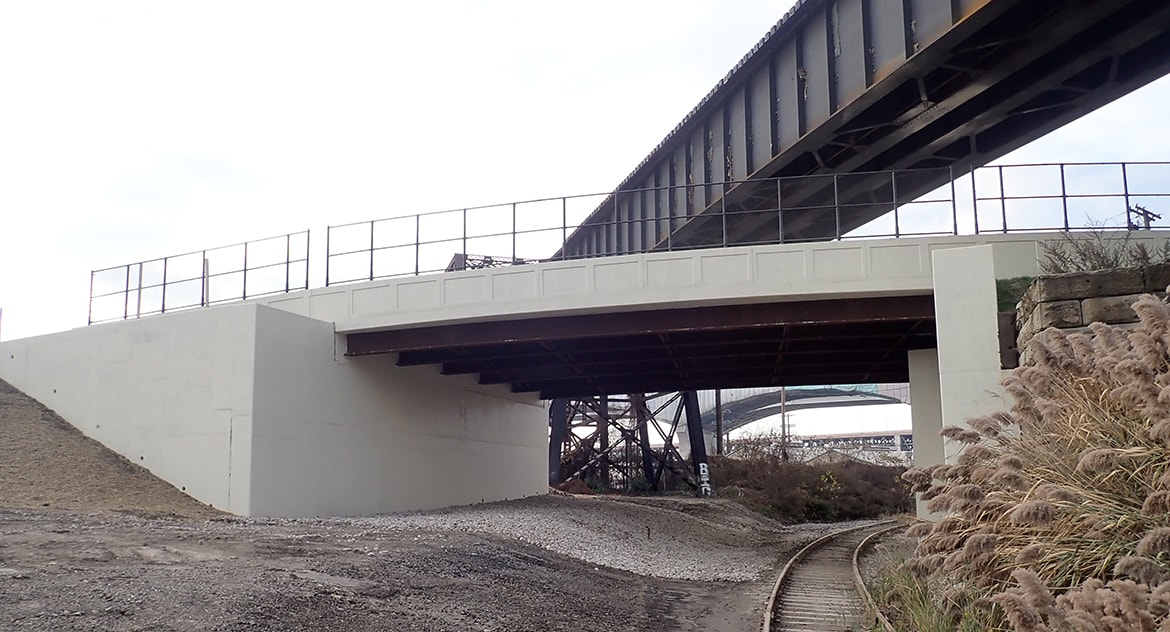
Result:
pixel 1057 513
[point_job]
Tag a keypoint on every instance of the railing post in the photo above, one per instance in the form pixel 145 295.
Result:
pixel 245 297
pixel 1002 201
pixel 723 214
pixel 513 232
pixel 288 258
pixel 894 194
pixel 163 307
pixel 204 286
pixel 779 212
pixel 837 205
pixel 564 227
pixel 1125 185
pixel 617 229
pixel 1064 197
pixel 89 318
pixel 372 249
pixel 954 203
pixel 328 254
pixel 308 241
pixel 138 302
pixel 126 295
pixel 669 231
pixel 417 239
pixel 465 238
pixel 974 198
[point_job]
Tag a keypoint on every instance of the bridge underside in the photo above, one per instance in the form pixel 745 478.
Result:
pixel 996 79
pixel 766 344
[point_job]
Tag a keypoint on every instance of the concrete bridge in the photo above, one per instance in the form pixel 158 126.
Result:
pixel 334 400
pixel 427 391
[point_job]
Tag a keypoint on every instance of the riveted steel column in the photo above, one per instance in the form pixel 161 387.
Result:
pixel 643 417
pixel 698 446
pixel 558 421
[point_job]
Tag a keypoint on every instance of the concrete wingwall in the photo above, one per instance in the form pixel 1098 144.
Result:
pixel 257 412
pixel 172 394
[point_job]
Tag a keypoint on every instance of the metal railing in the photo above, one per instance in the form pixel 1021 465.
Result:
pixel 200 278
pixel 886 204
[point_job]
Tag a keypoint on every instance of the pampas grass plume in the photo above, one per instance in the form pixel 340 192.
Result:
pixel 1034 513
pixel 1011 462
pixel 1142 569
pixel 974 454
pixel 1160 432
pixel 1009 479
pixel 1030 553
pixel 1155 542
pixel 1156 504
pixel 1097 461
pixel 1056 493
pixel 919 529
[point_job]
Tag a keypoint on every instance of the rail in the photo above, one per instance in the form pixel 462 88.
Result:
pixel 200 278
pixel 870 603
pixel 771 611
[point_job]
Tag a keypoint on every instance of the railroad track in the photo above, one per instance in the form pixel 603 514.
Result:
pixel 820 588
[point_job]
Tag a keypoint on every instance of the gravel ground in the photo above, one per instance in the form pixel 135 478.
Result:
pixel 89 541
pixel 674 538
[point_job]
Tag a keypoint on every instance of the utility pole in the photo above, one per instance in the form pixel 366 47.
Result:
pixel 784 424
pixel 719 421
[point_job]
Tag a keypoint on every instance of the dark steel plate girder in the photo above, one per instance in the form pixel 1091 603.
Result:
pixel 833 341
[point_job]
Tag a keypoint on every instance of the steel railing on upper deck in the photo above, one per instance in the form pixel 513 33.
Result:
pixel 197 279
pixel 887 204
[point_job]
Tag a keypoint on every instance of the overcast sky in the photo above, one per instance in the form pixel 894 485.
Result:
pixel 133 130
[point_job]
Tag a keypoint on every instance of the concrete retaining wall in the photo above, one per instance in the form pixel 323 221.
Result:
pixel 257 411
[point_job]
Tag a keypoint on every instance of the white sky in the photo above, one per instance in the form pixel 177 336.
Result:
pixel 133 130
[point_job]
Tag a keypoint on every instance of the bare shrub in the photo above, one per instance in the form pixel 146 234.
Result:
pixel 1098 249
pixel 797 492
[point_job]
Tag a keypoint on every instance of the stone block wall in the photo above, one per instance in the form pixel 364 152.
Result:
pixel 1075 300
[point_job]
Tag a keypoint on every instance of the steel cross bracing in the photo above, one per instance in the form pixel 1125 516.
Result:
pixel 850 86
pixel 628 443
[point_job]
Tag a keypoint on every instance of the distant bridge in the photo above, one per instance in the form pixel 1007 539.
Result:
pixel 741 411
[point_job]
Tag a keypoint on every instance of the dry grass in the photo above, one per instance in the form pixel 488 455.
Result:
pixel 1058 512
